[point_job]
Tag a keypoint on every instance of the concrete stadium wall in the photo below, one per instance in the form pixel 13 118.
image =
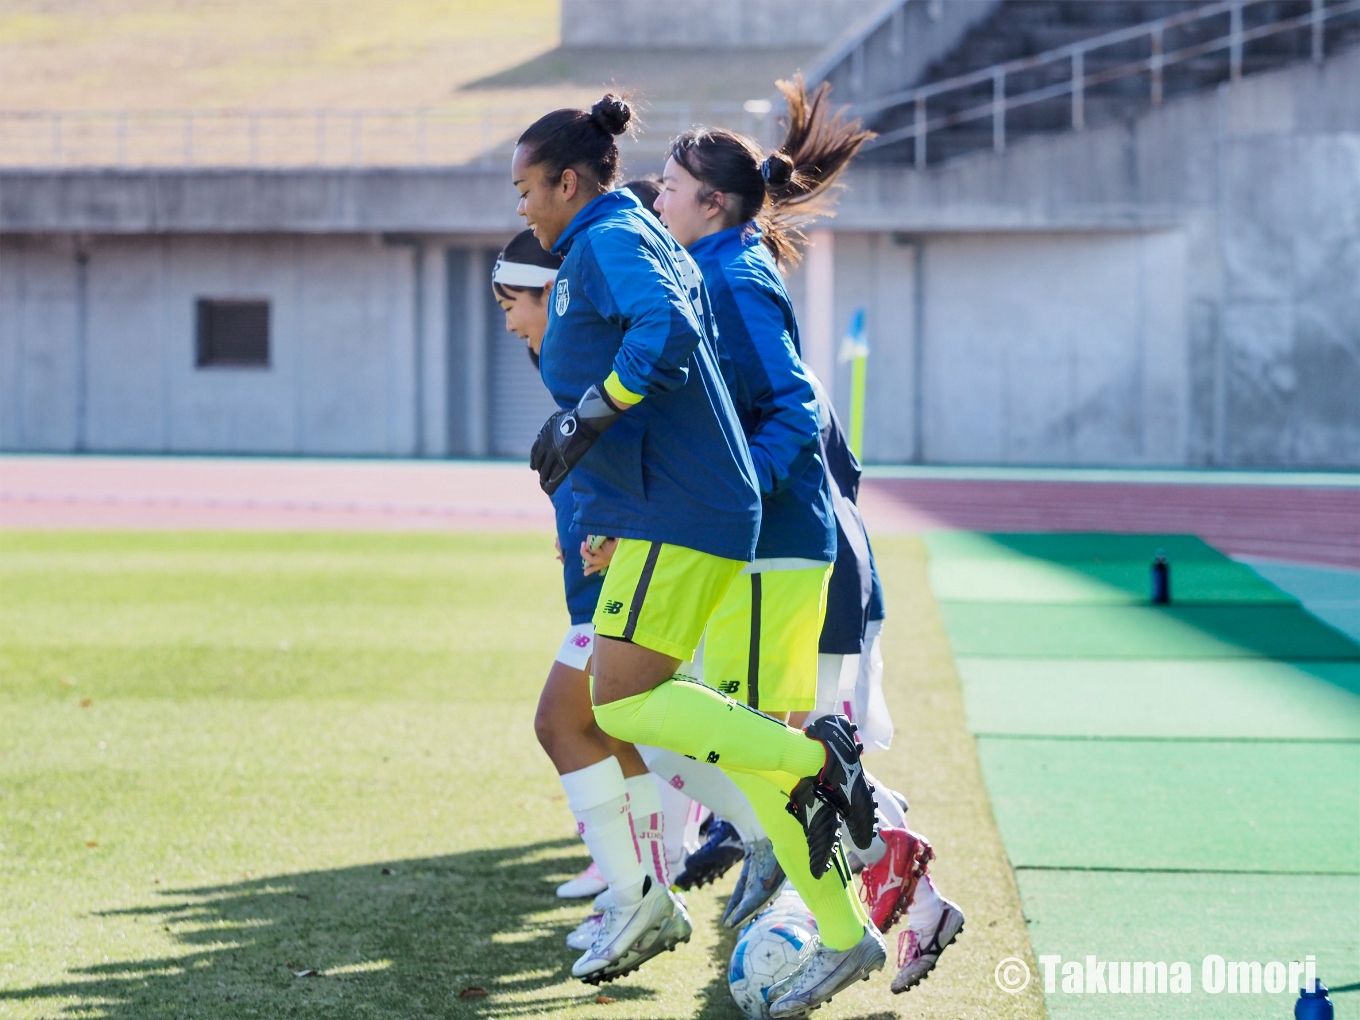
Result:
pixel 1179 289
pixel 98 345
pixel 722 24
pixel 1249 195
pixel 1016 348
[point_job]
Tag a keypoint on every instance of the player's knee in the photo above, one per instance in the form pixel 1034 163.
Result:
pixel 613 720
pixel 544 728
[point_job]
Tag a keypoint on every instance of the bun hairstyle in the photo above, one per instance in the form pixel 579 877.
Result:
pixel 612 114
pixel 524 248
pixel 580 141
pixel 785 189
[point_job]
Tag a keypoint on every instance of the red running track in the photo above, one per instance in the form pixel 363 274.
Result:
pixel 1313 524
pixel 1303 523
pixel 269 494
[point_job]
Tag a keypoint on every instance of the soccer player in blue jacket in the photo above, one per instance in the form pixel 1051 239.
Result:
pixel 588 761
pixel 658 458
pixel 733 208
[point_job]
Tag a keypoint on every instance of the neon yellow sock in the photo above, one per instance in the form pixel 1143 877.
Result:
pixel 831 898
pixel 691 718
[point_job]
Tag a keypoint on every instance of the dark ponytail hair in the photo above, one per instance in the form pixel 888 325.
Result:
pixel 646 189
pixel 785 189
pixel 581 141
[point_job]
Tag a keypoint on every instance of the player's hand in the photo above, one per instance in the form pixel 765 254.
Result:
pixel 557 544
pixel 567 435
pixel 595 561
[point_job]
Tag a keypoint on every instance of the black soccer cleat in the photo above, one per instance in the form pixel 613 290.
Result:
pixel 819 821
pixel 712 860
pixel 842 781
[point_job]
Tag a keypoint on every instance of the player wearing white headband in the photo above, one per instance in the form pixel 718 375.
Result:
pixel 617 803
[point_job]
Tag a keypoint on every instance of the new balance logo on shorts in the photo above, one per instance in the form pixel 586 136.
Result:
pixel 712 757
pixel 730 686
pixel 613 607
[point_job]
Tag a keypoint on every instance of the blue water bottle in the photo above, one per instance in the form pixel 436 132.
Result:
pixel 1313 1005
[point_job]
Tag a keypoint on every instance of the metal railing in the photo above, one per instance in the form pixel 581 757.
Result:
pixel 1080 79
pixel 42 139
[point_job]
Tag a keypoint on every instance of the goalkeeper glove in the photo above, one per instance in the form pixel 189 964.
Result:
pixel 567 435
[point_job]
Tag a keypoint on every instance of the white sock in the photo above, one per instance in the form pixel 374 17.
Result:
pixel 649 824
pixel 697 814
pixel 926 906
pixel 677 807
pixel 598 797
pixel 870 855
pixel 886 806
pixel 708 785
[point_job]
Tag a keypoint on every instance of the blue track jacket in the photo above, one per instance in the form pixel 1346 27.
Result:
pixel 675 468
pixel 761 360
pixel 582 592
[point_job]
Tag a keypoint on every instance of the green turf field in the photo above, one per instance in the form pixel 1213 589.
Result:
pixel 226 760
pixel 1169 782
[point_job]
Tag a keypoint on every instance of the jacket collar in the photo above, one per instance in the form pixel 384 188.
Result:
pixel 609 204
pixel 727 242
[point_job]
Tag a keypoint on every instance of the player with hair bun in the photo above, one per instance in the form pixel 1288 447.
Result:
pixel 521 281
pixel 632 828
pixel 657 456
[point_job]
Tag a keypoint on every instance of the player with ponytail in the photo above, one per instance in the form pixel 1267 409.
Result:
pixel 657 457
pixel 738 210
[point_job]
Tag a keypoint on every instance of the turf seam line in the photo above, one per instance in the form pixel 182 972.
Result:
pixel 1184 871
pixel 1124 738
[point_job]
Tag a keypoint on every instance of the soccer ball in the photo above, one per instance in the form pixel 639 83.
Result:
pixel 767 951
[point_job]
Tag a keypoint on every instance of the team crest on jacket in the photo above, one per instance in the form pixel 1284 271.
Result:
pixel 563 297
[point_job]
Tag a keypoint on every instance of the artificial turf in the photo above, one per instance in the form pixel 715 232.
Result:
pixel 1131 916
pixel 1242 698
pixel 1085 631
pixel 1122 582
pixel 230 760
pixel 1170 781
pixel 1216 805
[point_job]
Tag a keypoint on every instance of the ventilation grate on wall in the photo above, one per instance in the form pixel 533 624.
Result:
pixel 233 333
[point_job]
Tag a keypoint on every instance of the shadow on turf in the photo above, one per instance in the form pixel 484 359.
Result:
pixel 401 944
pixel 1236 606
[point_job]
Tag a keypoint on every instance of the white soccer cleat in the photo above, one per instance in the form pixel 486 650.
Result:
pixel 585 933
pixel 919 951
pixel 823 972
pixel 588 883
pixel 630 936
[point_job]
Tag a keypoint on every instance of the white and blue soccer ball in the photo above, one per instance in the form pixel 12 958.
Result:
pixel 767 951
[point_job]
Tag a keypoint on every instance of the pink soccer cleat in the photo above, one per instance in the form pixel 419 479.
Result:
pixel 888 885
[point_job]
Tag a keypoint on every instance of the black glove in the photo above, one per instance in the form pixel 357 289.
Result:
pixel 567 435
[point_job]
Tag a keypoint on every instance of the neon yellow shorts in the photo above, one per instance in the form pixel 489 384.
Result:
pixel 761 647
pixel 661 596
